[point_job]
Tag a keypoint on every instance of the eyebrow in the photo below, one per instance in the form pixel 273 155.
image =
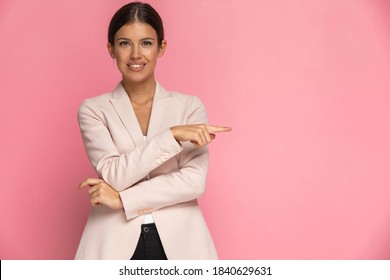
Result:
pixel 143 39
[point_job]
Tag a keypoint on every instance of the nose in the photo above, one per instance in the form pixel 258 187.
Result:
pixel 135 52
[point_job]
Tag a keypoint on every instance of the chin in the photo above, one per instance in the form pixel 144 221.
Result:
pixel 136 80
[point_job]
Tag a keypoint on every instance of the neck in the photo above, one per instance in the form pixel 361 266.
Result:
pixel 140 92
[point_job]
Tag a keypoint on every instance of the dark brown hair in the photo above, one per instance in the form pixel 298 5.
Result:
pixel 136 11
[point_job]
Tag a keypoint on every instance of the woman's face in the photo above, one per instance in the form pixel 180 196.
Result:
pixel 136 51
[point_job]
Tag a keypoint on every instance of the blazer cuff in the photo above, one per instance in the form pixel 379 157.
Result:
pixel 170 148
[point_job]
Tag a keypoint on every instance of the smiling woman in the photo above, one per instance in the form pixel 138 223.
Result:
pixel 136 50
pixel 149 149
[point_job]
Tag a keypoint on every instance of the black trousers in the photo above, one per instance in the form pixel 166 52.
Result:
pixel 149 245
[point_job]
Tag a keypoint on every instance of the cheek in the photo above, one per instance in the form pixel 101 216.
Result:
pixel 151 54
pixel 120 53
pixel 122 56
pixel 121 63
pixel 153 57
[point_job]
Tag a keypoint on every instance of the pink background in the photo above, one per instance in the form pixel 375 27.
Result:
pixel 305 173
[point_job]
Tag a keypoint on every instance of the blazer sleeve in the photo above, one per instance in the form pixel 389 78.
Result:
pixel 186 184
pixel 121 171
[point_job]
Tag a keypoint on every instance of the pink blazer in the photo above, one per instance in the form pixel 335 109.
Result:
pixel 160 176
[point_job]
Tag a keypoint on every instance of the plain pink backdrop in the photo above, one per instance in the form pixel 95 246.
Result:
pixel 305 173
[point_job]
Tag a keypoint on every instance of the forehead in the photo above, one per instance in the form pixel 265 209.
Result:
pixel 136 30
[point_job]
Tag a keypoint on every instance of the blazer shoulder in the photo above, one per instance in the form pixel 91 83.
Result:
pixel 181 96
pixel 190 101
pixel 96 103
pixel 192 106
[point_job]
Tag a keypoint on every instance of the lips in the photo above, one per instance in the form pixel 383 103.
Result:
pixel 136 66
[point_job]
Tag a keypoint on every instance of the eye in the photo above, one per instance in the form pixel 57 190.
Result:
pixel 124 44
pixel 147 43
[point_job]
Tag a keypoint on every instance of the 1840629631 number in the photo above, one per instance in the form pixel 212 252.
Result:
pixel 245 270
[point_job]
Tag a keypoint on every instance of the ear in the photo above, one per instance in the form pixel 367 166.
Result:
pixel 162 48
pixel 111 50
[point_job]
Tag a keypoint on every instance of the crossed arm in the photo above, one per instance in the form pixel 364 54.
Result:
pixel 118 187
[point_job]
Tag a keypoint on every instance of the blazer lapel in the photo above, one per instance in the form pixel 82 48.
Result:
pixel 159 108
pixel 122 105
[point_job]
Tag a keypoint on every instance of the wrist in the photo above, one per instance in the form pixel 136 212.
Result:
pixel 174 134
pixel 119 203
pixel 173 131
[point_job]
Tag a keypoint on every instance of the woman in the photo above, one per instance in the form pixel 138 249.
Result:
pixel 149 147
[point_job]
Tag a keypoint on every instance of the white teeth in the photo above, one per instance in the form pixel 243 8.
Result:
pixel 135 65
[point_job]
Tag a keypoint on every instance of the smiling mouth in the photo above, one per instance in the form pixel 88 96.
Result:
pixel 135 66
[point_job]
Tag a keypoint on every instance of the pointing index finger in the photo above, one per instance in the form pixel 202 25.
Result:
pixel 214 128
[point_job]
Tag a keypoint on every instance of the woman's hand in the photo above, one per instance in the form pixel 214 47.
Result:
pixel 197 134
pixel 101 193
